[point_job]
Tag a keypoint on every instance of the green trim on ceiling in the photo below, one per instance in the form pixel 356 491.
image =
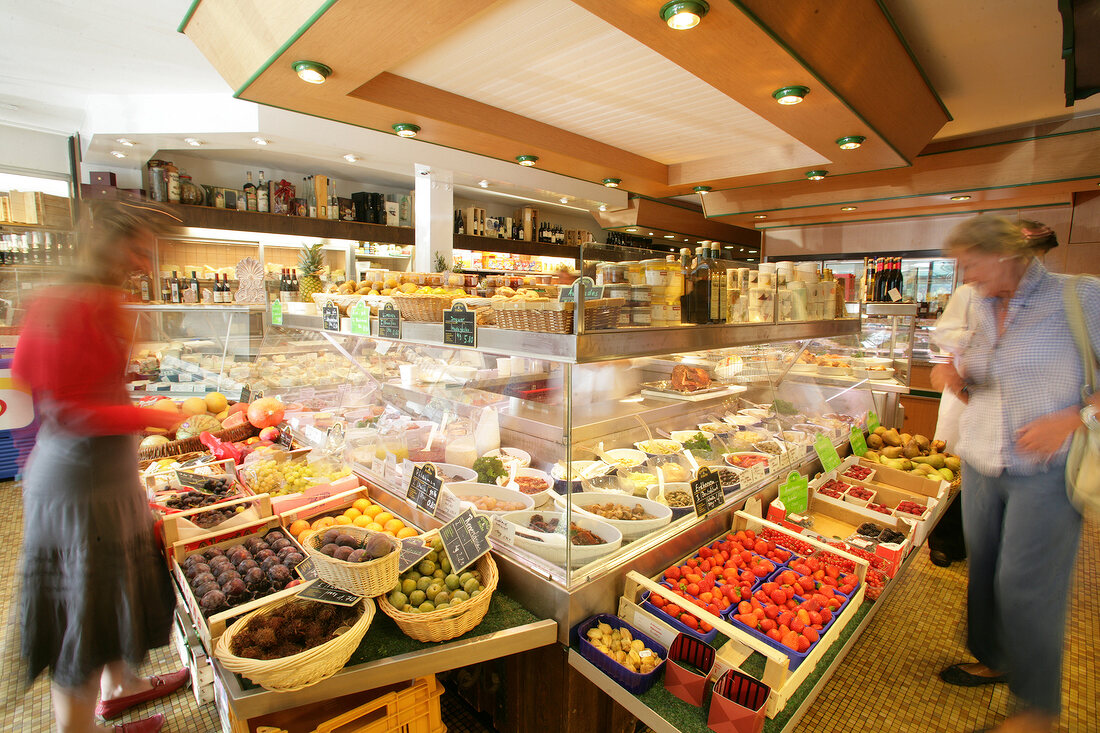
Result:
pixel 802 62
pixel 913 58
pixel 975 212
pixel 187 18
pixel 286 45
pixel 1032 138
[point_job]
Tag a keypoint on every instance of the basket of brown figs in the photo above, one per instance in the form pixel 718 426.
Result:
pixel 294 643
pixel 354 559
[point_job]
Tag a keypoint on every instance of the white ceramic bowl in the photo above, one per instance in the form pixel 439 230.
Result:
pixel 682 436
pixel 810 429
pixel 758 413
pixel 832 371
pixel 465 489
pixel 631 529
pixel 864 373
pixel 539 497
pixel 729 456
pixel 448 470
pixel 591 469
pixel 553 548
pixel 803 368
pixel 678 511
pixel 511 454
pixel 664 446
pixel 796 437
pixel 869 361
pixel 742 421
pixel 626 457
pixel 717 428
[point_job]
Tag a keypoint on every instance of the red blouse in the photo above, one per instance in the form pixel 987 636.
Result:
pixel 72 353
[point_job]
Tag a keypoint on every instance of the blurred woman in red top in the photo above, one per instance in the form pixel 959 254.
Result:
pixel 96 596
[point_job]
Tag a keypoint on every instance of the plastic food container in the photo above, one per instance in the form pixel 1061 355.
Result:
pixel 632 682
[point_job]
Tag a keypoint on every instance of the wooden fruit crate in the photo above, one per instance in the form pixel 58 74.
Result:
pixel 172 523
pixel 777 673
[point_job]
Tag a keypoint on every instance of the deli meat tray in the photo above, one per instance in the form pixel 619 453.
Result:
pixel 663 388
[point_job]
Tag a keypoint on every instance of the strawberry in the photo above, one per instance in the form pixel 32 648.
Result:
pixel 811 634
pixel 790 639
pixel 802 644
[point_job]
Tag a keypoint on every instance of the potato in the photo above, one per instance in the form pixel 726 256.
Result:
pixel 626 635
pixel 593 633
pixel 637 645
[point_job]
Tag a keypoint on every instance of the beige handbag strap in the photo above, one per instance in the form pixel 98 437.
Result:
pixel 1075 314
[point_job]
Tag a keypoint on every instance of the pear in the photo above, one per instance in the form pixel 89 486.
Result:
pixel 880 430
pixel 935 460
pixel 891 437
pixel 891 452
pixel 872 456
pixel 924 443
pixel 939 446
pixel 874 441
pixel 905 438
pixel 901 464
pixel 947 474
pixel 911 449
pixel 952 463
pixel 923 468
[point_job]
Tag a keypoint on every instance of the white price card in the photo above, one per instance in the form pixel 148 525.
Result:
pixel 503 532
pixel 752 475
pixel 773 463
pixel 448 506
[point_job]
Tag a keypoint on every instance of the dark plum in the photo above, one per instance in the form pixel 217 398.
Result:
pixel 256 579
pixel 213 602
pixel 227 576
pixel 292 559
pixel 279 544
pixel 269 562
pixel 235 587
pixel 245 565
pixel 263 555
pixel 196 569
pixel 274 535
pixel 205 588
pixel 280 574
pixel 285 551
pixel 201 578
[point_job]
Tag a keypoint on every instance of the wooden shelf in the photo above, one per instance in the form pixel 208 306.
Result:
pixel 514 247
pixel 251 221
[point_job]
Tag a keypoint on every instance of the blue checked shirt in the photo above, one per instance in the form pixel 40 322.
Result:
pixel 1032 370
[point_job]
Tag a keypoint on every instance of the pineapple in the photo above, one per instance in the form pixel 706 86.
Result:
pixel 310 262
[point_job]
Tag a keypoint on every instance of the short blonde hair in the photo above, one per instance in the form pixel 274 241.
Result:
pixel 110 234
pixel 991 234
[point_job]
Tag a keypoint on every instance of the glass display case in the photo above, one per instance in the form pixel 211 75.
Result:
pixel 189 350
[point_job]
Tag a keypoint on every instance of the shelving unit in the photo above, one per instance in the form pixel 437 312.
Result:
pixel 208 217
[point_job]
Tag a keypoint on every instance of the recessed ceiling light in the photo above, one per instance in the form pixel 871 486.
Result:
pixel 612 182
pixel 406 129
pixel 483 183
pixel 649 234
pixel 125 141
pixel 351 157
pixel 816 175
pixel 311 72
pixel 682 15
pixel 791 94
pixel 671 236
pixel 760 216
pixel 564 199
pixel 847 208
pixel 527 160
pixel 118 153
pixel 603 207
pixel 632 229
pixel 701 189
pixel 700 241
pixel 728 246
pixel 960 198
pixel 685 239
pixel 193 142
pixel 260 140
pixel 850 142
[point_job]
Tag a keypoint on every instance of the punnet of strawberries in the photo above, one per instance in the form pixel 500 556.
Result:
pixel 858 492
pixel 678 613
pixel 793 608
pixel 911 507
pixel 880 508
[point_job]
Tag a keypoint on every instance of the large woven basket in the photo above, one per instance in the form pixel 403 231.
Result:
pixel 453 621
pixel 555 317
pixel 295 672
pixel 369 579
pixel 422 308
pixel 193 445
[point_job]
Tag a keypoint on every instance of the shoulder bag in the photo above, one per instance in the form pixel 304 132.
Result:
pixel 1083 464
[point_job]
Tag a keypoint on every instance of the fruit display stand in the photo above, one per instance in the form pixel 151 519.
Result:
pixel 177 526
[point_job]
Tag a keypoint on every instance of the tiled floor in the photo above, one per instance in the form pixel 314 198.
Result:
pixel 887 683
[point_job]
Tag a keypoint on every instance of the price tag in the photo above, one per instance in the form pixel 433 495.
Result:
pixel 424 486
pixel 857 441
pixel 389 322
pixel 330 316
pixel 466 538
pixel 413 550
pixel 322 592
pixel 377 466
pixel 591 291
pixel 191 480
pixel 246 393
pixel 306 569
pixel 872 421
pixel 360 318
pixel 276 313
pixel 460 326
pixel 286 439
pixel 706 491
pixel 826 451
pixel 773 463
pixel 894 294
pixel 752 475
pixel 449 507
pixel 504 532
pixel 794 493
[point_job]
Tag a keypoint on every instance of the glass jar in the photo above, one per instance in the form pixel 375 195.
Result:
pixel 190 192
pixel 610 273
pixel 157 179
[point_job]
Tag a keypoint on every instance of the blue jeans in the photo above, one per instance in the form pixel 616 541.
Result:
pixel 1021 536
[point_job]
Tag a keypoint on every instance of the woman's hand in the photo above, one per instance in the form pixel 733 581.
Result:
pixel 1044 436
pixel 945 377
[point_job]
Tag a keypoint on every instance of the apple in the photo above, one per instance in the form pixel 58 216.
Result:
pixel 270 433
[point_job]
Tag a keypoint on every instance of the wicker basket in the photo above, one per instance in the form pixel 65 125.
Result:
pixel 295 672
pixel 343 302
pixel 193 445
pixel 144 463
pixel 422 308
pixel 452 621
pixel 368 579
pixel 555 317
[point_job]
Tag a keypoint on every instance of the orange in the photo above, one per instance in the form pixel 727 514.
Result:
pixel 383 517
pixel 374 527
pixel 324 522
pixel 351 513
pixel 393 525
pixel 361 505
pixel 372 511
pixel 361 521
pixel 391 534
pixel 343 519
pixel 298 526
pixel 406 532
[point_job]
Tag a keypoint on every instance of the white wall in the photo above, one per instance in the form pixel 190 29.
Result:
pixel 31 151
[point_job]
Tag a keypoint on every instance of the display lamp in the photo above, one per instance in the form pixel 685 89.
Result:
pixel 527 160
pixel 760 216
pixel 612 182
pixel 312 72
pixel 682 15
pixel 816 175
pixel 790 95
pixel 701 189
pixel 406 129
pixel 960 198
pixel 847 208
pixel 850 142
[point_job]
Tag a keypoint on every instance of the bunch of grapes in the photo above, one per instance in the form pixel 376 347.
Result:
pixel 292 477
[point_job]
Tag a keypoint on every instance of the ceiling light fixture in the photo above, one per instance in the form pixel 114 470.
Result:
pixel 791 94
pixel 311 72
pixel 701 189
pixel 760 216
pixel 850 142
pixel 649 234
pixel 960 198
pixel 118 153
pixel 483 183
pixel 728 246
pixel 603 207
pixel 527 160
pixel 682 15
pixel 670 236
pixel 632 229
pixel 612 182
pixel 564 199
pixel 406 129
pixel 847 208
pixel 816 175
pixel 351 157
pixel 260 140
pixel 193 142
pixel 125 141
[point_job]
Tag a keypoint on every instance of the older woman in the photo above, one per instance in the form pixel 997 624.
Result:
pixel 1021 377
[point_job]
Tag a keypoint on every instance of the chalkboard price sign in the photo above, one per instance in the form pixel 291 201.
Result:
pixel 286 440
pixel 389 322
pixel 322 592
pixel 460 326
pixel 330 316
pixel 306 569
pixel 424 486
pixel 706 491
pixel 246 393
pixel 591 291
pixel 413 550
pixel 466 538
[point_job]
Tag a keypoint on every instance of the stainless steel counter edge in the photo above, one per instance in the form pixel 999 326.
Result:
pixel 447 655
pixel 188 307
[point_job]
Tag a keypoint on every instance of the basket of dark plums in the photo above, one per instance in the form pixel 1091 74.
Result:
pixel 354 559
pixel 237 573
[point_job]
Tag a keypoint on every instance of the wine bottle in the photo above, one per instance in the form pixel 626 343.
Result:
pixel 458 227
pixel 174 284
pixel 250 194
pixel 146 288
pixel 194 285
pixel 294 288
pixel 263 201
pixel 878 281
pixel 311 197
pixel 333 201
pixel 165 292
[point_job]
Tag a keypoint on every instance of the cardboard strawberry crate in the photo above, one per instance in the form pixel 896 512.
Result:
pixel 779 674
pixel 210 628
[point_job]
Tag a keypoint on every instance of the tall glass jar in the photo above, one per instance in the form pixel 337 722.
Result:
pixel 173 182
pixel 190 192
pixel 157 179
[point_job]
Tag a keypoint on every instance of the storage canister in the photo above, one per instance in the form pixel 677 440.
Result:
pixel 157 179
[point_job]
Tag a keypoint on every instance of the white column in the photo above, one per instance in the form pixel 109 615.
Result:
pixel 433 217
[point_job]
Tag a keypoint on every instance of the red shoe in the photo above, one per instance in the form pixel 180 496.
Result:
pixel 164 684
pixel 151 724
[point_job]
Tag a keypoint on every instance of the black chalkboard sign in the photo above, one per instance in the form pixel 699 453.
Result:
pixel 460 326
pixel 389 322
pixel 330 316
pixel 466 538
pixel 324 593
pixel 424 486
pixel 246 393
pixel 192 480
pixel 286 440
pixel 306 569
pixel 413 550
pixel 706 491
